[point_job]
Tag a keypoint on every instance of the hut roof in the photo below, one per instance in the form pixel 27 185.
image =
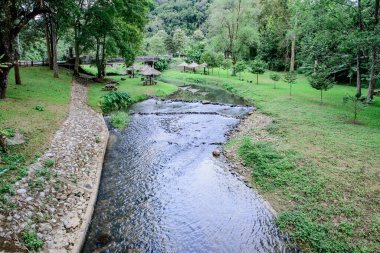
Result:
pixel 193 65
pixel 183 64
pixel 203 65
pixel 149 71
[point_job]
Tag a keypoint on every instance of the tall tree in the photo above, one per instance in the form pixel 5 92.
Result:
pixel 15 15
pixel 232 26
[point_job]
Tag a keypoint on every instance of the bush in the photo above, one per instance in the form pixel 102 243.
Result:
pixel 161 64
pixel 31 241
pixel 119 120
pixel 40 108
pixel 49 163
pixel 115 100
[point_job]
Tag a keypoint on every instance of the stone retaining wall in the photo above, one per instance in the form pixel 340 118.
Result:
pixel 57 202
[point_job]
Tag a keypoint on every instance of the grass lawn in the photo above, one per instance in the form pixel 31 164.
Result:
pixel 18 112
pixel 320 172
pixel 134 88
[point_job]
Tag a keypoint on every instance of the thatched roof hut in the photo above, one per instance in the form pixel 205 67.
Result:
pixel 203 65
pixel 183 64
pixel 149 71
pixel 193 65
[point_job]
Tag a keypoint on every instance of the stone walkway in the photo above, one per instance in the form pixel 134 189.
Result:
pixel 57 202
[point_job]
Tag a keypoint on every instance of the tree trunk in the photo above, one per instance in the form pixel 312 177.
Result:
pixel 48 43
pixel 77 54
pixel 358 75
pixel 54 48
pixel 374 51
pixel 293 53
pixel 3 82
pixel 359 54
pixel 17 72
pixel 257 78
pixel 98 64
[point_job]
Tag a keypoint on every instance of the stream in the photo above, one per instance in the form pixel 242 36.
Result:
pixel 162 190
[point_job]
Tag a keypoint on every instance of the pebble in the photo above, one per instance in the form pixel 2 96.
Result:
pixel 21 191
pixel 216 152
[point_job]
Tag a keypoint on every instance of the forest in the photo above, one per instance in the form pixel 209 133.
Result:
pixel 295 82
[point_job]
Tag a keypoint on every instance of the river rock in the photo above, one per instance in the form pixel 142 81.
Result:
pixel 72 223
pixel 21 191
pixel 216 153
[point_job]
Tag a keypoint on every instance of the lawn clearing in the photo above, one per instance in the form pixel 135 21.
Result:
pixel 133 86
pixel 320 171
pixel 18 112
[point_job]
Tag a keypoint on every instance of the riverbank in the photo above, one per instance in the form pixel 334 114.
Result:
pixel 55 199
pixel 133 86
pixel 317 169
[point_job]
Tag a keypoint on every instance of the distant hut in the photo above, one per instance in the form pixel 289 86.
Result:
pixel 184 65
pixel 204 66
pixel 193 66
pixel 150 74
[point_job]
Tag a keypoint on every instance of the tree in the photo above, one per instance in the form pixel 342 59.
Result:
pixel 320 81
pixel 15 15
pixel 227 64
pixel 290 78
pixel 275 77
pixel 232 27
pixel 240 66
pixel 356 104
pixel 257 67
pixel 179 41
pixel 156 44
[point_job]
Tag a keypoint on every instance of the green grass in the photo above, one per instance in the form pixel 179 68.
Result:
pixel 321 172
pixel 133 86
pixel 18 111
pixel 119 120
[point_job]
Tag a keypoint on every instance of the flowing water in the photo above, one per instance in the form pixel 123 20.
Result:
pixel 163 191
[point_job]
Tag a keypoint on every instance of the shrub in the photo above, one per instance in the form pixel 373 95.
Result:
pixel 49 163
pixel 119 120
pixel 40 108
pixel 161 64
pixel 31 241
pixel 275 77
pixel 115 100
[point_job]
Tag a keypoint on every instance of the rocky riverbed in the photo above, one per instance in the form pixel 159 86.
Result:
pixel 55 200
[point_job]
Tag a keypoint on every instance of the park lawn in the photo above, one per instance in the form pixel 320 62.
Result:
pixel 18 111
pixel 321 172
pixel 133 86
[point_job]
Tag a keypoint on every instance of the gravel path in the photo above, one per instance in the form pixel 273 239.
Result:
pixel 57 202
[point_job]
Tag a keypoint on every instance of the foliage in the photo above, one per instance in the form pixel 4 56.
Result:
pixel 119 120
pixel 356 104
pixel 49 163
pixel 115 100
pixel 290 77
pixel 321 81
pixel 40 108
pixel 162 64
pixel 257 67
pixel 31 241
pixel 275 77
pixel 240 66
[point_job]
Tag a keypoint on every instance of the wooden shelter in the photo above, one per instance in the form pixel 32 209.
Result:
pixel 150 74
pixel 193 66
pixel 204 66
pixel 184 65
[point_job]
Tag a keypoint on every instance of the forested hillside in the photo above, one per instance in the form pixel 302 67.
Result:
pixel 339 38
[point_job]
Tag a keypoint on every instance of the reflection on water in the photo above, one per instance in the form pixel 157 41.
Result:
pixel 163 191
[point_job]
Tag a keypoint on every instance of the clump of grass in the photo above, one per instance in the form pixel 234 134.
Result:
pixel 44 173
pixel 269 167
pixel 49 163
pixel 40 108
pixel 119 120
pixel 38 183
pixel 7 188
pixel 31 241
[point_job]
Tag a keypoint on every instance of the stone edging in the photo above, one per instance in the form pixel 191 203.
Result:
pixel 91 203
